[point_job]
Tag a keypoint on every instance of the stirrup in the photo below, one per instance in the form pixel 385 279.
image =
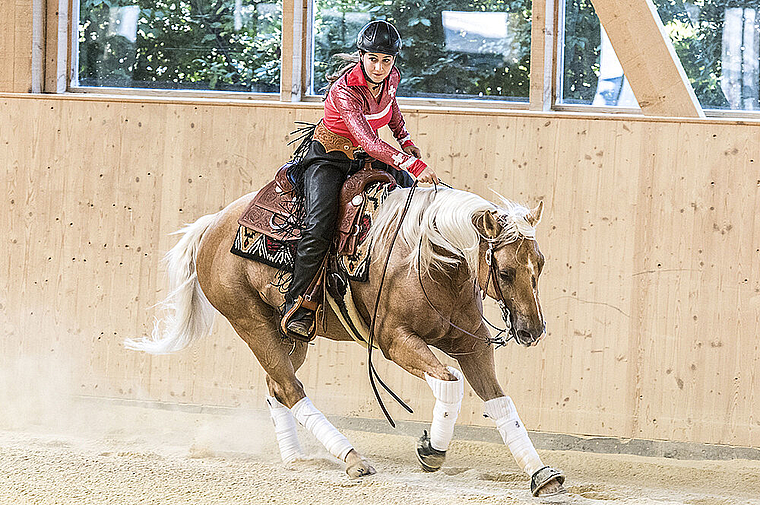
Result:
pixel 298 330
pixel 430 458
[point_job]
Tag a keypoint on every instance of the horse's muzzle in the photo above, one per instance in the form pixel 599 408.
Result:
pixel 528 339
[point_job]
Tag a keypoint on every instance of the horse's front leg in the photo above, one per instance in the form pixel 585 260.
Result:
pixel 478 366
pixel 412 354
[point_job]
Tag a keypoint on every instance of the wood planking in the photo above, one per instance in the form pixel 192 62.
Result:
pixel 626 273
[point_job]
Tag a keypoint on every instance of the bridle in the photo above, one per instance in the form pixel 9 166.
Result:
pixel 498 340
pixel 493 271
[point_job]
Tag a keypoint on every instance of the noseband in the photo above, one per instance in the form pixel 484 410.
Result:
pixel 493 271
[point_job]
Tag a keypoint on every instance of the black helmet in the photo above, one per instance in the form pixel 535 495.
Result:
pixel 379 37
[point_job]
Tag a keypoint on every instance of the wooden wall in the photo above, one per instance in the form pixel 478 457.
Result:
pixel 651 233
pixel 16 45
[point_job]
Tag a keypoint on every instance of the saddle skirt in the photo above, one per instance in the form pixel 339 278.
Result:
pixel 270 227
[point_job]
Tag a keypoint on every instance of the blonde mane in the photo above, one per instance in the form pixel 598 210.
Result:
pixel 438 227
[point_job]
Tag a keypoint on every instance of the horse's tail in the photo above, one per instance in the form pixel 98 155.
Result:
pixel 189 315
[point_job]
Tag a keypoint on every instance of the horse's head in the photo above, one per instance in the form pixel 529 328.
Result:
pixel 510 265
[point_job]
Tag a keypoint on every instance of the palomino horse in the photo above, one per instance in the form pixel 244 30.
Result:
pixel 446 245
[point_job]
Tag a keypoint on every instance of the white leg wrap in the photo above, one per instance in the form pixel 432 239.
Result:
pixel 504 414
pixel 314 421
pixel 285 429
pixel 448 401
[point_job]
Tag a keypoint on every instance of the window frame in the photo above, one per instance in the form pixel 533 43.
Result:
pixel 547 44
pixel 73 75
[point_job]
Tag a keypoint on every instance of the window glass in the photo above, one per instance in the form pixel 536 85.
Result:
pixel 231 45
pixel 717 42
pixel 451 49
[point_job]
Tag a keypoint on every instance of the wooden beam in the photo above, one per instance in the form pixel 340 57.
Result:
pixel 21 20
pixel 56 45
pixel 7 7
pixel 286 50
pixel 648 59
pixel 542 55
pixel 39 26
pixel 306 63
pixel 294 43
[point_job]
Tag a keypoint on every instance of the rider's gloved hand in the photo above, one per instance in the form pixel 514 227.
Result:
pixel 414 151
pixel 428 175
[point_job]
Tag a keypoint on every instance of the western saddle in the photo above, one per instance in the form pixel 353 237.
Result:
pixel 272 213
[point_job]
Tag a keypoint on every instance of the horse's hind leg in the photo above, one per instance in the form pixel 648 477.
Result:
pixel 261 335
pixel 284 422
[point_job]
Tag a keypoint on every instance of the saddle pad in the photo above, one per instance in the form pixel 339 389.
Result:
pixel 256 246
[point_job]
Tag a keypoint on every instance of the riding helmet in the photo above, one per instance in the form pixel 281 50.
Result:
pixel 379 37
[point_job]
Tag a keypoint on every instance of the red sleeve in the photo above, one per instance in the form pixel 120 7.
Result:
pixel 349 104
pixel 397 126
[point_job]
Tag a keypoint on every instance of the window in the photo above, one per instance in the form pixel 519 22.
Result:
pixel 231 45
pixel 476 49
pixel 717 42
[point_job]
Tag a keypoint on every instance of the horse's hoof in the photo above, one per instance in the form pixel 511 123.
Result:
pixel 430 459
pixel 547 482
pixel 360 468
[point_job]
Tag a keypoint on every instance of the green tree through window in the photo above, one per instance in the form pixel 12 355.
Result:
pixel 452 48
pixel 188 44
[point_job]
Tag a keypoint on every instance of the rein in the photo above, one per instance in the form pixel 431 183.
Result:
pixel 371 369
pixel 498 340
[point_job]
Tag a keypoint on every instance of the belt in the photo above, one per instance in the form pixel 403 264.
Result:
pixel 334 142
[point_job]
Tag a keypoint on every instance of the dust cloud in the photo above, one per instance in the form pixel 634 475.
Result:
pixel 58 448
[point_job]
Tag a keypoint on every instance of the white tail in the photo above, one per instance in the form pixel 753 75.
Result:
pixel 189 315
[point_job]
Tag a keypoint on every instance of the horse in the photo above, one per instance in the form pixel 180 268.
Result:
pixel 452 243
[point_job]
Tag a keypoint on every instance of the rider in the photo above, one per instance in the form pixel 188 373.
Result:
pixel 357 104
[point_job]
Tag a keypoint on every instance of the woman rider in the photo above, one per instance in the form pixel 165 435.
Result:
pixel 360 102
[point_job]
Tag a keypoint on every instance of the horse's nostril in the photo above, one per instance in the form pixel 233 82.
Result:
pixel 524 336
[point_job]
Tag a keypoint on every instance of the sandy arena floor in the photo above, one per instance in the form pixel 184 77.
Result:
pixel 100 453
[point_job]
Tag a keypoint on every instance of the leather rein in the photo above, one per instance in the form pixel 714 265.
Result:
pixel 493 271
pixel 499 340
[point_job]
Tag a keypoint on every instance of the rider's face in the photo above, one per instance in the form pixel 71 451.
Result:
pixel 377 65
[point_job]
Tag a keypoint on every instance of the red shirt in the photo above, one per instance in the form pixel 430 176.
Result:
pixel 352 111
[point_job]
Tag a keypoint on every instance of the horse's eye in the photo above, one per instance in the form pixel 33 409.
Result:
pixel 508 274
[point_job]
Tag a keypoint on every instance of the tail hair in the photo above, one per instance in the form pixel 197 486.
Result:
pixel 188 315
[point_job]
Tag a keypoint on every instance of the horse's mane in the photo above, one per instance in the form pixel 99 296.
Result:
pixel 438 227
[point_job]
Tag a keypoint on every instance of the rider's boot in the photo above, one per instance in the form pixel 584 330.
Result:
pixel 322 183
pixel 299 320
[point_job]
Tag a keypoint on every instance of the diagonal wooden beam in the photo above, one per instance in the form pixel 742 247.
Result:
pixel 648 58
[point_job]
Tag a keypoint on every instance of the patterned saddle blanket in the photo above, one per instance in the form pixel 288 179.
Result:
pixel 269 229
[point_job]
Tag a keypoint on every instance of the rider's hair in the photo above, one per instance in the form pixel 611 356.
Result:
pixel 350 60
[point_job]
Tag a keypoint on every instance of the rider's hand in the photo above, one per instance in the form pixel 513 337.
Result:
pixel 414 151
pixel 428 175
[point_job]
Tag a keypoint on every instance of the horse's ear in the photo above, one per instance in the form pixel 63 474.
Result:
pixel 534 216
pixel 489 226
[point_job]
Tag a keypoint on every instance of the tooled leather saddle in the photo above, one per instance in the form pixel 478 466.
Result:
pixel 271 212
